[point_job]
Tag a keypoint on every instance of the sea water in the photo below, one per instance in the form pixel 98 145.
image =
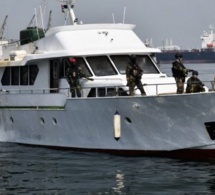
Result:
pixel 43 171
pixel 34 170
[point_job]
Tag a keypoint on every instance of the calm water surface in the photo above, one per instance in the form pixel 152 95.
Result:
pixel 32 170
pixel 35 170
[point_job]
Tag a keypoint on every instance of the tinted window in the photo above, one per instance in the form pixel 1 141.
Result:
pixel 80 62
pixel 147 65
pixel 102 92
pixel 63 67
pixel 6 76
pixel 101 66
pixel 33 73
pixel 120 62
pixel 144 62
pixel 15 75
pixel 23 75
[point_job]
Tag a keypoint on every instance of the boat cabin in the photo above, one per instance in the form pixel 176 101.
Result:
pixel 38 62
pixel 108 72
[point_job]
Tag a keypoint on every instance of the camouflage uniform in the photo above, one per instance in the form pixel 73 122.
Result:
pixel 74 73
pixel 179 72
pixel 133 75
pixel 194 85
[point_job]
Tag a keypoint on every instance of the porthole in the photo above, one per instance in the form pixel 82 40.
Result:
pixel 42 121
pixel 128 120
pixel 11 120
pixel 54 121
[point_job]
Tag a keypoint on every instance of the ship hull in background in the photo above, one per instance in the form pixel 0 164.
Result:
pixel 189 56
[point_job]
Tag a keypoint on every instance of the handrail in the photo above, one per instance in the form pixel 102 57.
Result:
pixel 115 89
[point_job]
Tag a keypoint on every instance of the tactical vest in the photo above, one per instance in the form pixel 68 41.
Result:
pixel 135 70
pixel 175 71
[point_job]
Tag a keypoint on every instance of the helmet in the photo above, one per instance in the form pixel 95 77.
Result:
pixel 195 73
pixel 133 58
pixel 178 55
pixel 72 60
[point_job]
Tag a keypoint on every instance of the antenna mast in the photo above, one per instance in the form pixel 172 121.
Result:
pixel 3 27
pixel 124 15
pixel 31 22
pixel 113 18
pixel 49 21
pixel 67 7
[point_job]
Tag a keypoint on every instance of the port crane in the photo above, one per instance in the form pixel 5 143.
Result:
pixel 3 27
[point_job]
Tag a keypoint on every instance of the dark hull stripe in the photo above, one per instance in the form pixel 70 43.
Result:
pixel 188 154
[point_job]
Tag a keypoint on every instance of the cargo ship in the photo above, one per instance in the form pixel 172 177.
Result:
pixel 205 54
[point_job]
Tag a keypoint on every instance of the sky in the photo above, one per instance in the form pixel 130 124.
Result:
pixel 182 21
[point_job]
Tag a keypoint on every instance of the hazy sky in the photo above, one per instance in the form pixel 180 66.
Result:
pixel 183 21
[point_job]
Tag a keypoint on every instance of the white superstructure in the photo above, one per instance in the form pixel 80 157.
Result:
pixel 208 39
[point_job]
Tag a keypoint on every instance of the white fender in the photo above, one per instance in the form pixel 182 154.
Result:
pixel 117 126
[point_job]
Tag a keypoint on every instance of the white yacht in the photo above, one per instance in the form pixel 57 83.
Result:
pixel 36 107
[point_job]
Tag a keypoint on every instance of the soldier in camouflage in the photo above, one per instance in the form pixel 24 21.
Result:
pixel 194 85
pixel 179 71
pixel 74 73
pixel 133 75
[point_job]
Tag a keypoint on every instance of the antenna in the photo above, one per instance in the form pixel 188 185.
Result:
pixel 31 21
pixel 41 15
pixel 113 18
pixel 3 27
pixel 36 22
pixel 43 7
pixel 49 21
pixel 67 7
pixel 124 15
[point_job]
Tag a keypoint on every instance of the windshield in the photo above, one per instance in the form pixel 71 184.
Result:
pixel 143 61
pixel 101 66
pixel 79 61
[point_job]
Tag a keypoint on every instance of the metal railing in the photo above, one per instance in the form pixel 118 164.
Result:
pixel 101 91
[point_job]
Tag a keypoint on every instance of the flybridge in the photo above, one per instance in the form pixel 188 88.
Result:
pixel 99 38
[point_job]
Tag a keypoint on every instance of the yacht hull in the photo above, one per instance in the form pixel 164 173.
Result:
pixel 149 125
